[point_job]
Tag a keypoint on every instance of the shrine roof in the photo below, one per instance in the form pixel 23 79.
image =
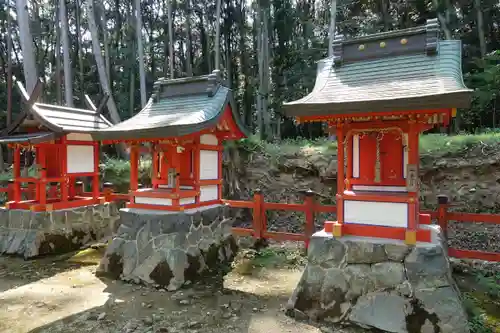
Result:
pixel 177 107
pixel 402 70
pixel 52 118
pixel 29 138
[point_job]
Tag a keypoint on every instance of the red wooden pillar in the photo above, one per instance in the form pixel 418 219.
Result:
pixel 134 162
pixel 42 185
pixel 64 170
pixel 413 161
pixel 220 177
pixel 337 228
pixel 443 204
pixel 258 200
pixel 154 161
pixel 95 178
pixel 196 168
pixel 17 174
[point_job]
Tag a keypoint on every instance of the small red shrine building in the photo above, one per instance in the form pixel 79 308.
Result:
pixel 377 93
pixel 182 126
pixel 63 152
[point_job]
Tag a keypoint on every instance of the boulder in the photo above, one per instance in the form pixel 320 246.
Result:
pixel 378 284
pixel 31 234
pixel 169 249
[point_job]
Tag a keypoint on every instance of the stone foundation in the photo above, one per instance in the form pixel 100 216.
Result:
pixel 379 284
pixel 169 249
pixel 30 234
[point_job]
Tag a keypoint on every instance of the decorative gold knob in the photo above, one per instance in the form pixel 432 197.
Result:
pixel 382 44
pixel 361 47
pixel 404 41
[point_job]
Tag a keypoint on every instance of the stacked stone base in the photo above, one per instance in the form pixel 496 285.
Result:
pixel 31 234
pixel 169 249
pixel 377 284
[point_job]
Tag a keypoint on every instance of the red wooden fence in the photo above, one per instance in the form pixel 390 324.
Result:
pixel 310 207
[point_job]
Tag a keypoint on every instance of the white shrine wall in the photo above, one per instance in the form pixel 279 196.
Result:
pixel 386 214
pixel 80 158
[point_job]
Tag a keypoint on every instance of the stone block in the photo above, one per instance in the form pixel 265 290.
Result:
pixel 380 285
pixel 169 248
pixel 30 234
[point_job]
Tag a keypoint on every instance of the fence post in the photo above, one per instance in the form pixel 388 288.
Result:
pixel 108 191
pixel 257 214
pixel 443 204
pixel 309 212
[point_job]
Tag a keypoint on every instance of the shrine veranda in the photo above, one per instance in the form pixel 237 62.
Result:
pixel 376 94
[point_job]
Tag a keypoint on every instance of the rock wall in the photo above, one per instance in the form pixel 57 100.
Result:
pixel 377 284
pixel 30 234
pixel 169 249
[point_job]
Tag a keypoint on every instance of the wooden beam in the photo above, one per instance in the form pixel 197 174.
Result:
pixel 30 99
pixel 89 103
pixel 102 104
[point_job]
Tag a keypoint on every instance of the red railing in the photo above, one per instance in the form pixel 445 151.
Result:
pixel 259 222
pixel 310 207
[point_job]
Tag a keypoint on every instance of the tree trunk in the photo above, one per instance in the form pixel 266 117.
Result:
pixel 217 35
pixel 101 69
pixel 57 55
pixel 68 77
pixel 140 51
pixel 331 31
pixel 480 27
pixel 444 20
pixel 170 40
pixel 189 51
pixel 105 40
pixel 132 92
pixel 80 51
pixel 29 66
pixel 9 64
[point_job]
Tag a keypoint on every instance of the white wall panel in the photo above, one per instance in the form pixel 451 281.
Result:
pixel 187 201
pixel 379 188
pixel 209 139
pixel 209 193
pixel 388 214
pixel 79 137
pixel 355 156
pixel 153 201
pixel 209 164
pixel 80 159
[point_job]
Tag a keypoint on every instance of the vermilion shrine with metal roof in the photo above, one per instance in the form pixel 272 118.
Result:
pixel 64 152
pixel 183 125
pixel 377 93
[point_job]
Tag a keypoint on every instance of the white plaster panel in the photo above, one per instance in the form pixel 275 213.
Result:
pixel 405 154
pixel 79 137
pixel 209 192
pixel 209 164
pixel 355 156
pixel 182 187
pixel 379 188
pixel 209 139
pixel 80 158
pixel 387 214
pixel 153 201
pixel 187 201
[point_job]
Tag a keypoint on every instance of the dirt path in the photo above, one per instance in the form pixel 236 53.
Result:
pixel 57 296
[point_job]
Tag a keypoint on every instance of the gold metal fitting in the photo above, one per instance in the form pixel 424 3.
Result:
pixel 361 47
pixel 382 44
pixel 404 41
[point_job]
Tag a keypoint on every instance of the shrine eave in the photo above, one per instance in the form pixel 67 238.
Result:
pixel 179 108
pixel 453 100
pixel 29 138
pixel 411 76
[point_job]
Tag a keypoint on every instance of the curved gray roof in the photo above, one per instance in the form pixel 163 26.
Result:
pixel 177 107
pixel 399 71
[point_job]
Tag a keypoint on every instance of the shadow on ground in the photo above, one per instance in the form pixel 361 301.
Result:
pixel 206 307
pixel 16 272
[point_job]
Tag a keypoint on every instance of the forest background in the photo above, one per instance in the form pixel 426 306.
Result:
pixel 266 49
